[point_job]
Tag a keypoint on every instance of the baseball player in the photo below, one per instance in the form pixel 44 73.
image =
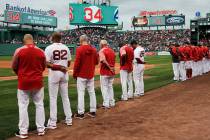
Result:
pixel 195 52
pixel 58 60
pixel 138 69
pixel 126 68
pixel 206 51
pixel 189 58
pixel 200 60
pixel 107 73
pixel 29 63
pixel 182 66
pixel 176 62
pixel 84 67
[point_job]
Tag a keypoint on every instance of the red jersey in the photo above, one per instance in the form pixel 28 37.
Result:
pixel 195 53
pixel 29 62
pixel 188 53
pixel 85 61
pixel 200 53
pixel 206 51
pixel 128 51
pixel 108 55
pixel 182 53
pixel 174 50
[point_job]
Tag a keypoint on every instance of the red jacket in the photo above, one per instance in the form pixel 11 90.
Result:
pixel 29 63
pixel 85 61
pixel 129 59
pixel 110 58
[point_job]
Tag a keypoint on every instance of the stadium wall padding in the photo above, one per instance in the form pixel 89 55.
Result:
pixel 9 49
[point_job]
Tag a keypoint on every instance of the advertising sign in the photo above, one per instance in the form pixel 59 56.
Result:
pixel 156 21
pixel 175 20
pixel 29 19
pixel 156 13
pixel 87 14
pixel 141 21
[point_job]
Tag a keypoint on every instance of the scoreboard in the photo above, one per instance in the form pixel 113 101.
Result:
pixel 152 21
pixel 29 19
pixel 88 14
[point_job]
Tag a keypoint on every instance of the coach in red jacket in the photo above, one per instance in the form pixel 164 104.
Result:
pixel 84 68
pixel 126 69
pixel 107 73
pixel 29 64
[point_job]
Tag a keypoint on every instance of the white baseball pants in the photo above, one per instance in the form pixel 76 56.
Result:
pixel 182 69
pixel 176 71
pixel 82 84
pixel 126 79
pixel 54 88
pixel 23 102
pixel 107 90
pixel 138 73
pixel 194 69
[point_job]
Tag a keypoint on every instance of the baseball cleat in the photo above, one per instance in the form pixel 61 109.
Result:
pixel 22 136
pixel 124 99
pixel 92 114
pixel 105 107
pixel 137 95
pixel 69 123
pixel 41 133
pixel 51 127
pixel 79 116
pixel 142 94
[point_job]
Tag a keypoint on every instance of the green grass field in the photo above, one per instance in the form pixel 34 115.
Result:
pixel 159 76
pixel 6 72
pixel 5 58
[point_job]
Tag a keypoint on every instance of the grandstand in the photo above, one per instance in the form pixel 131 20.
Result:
pixel 11 32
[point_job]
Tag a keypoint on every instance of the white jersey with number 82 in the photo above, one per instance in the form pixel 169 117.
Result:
pixel 58 54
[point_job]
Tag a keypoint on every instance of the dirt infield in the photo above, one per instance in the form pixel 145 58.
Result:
pixel 7 64
pixel 179 111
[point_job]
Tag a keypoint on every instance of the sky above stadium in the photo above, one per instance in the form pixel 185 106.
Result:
pixel 127 8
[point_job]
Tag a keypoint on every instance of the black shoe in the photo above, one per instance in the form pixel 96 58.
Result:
pixel 92 114
pixel 79 116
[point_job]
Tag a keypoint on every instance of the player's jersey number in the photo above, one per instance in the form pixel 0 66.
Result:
pixel 142 54
pixel 60 54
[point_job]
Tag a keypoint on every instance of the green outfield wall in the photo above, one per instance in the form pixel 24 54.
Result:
pixel 9 49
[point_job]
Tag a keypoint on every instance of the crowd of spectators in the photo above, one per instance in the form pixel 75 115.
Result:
pixel 152 40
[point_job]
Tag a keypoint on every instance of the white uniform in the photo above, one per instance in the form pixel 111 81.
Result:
pixel 138 71
pixel 106 85
pixel 126 81
pixel 58 54
pixel 23 102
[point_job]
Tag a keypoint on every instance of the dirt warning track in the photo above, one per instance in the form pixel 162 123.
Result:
pixel 179 111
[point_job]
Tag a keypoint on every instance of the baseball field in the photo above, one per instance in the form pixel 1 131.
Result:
pixel 176 111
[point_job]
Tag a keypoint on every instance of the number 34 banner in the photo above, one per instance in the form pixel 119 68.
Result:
pixel 87 14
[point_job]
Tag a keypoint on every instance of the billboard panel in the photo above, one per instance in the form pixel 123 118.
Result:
pixel 87 14
pixel 175 20
pixel 151 21
pixel 141 21
pixel 29 19
pixel 156 21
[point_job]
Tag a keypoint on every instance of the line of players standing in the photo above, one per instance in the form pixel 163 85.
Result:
pixel 189 61
pixel 29 63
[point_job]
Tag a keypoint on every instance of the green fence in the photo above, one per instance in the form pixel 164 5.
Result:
pixel 9 49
